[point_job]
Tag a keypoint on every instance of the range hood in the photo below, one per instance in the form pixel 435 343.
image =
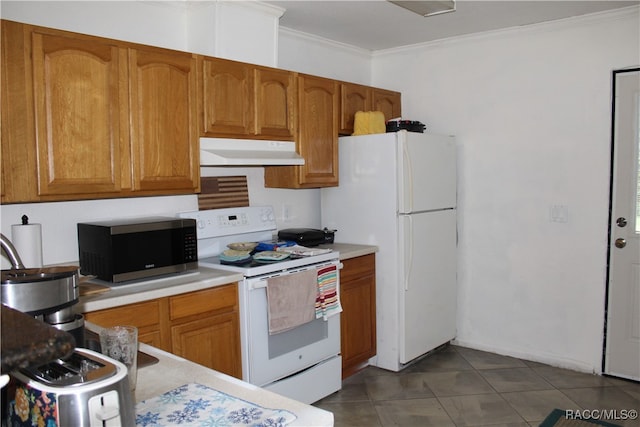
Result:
pixel 247 152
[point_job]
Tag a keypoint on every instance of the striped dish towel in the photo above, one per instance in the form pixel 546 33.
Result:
pixel 328 299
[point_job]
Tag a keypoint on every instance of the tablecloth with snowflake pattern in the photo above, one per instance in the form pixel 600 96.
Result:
pixel 198 405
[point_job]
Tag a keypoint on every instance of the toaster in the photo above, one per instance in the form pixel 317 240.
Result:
pixel 85 389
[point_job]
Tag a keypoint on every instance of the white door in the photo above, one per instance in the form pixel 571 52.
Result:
pixel 622 353
pixel 427 172
pixel 428 291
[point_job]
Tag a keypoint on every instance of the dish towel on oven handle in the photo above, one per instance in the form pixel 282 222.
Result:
pixel 291 300
pixel 328 299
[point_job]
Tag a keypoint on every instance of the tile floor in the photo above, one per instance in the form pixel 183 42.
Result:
pixel 458 386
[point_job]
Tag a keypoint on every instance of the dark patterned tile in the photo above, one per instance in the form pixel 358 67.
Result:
pixel 484 360
pixel 447 359
pixel 606 398
pixel 515 379
pixel 632 389
pixel 461 386
pixel 457 383
pixel 350 392
pixel 602 398
pixel 402 386
pixel 536 405
pixel 413 412
pixel 352 414
pixel 480 409
pixel 565 378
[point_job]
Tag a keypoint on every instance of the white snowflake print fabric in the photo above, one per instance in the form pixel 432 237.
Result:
pixel 198 405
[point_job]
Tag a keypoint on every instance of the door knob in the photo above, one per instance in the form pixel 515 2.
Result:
pixel 621 222
pixel 621 243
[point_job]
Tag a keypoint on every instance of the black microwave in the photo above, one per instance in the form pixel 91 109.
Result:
pixel 122 250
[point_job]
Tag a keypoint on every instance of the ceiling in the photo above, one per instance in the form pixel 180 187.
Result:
pixel 377 24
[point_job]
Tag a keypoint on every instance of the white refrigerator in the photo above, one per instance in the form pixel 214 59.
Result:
pixel 398 191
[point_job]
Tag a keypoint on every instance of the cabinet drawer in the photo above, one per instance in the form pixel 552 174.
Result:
pixel 218 298
pixel 355 268
pixel 139 315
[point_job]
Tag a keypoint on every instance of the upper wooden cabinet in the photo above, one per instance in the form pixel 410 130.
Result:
pixel 165 148
pixel 354 98
pixel 317 139
pixel 244 100
pixel 87 117
pixel 388 102
pixel 226 100
pixel 275 100
pixel 78 89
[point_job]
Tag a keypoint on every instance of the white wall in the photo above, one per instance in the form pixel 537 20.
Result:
pixel 174 25
pixel 155 23
pixel 312 55
pixel 531 110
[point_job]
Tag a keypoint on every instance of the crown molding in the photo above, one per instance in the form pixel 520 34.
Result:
pixel 597 17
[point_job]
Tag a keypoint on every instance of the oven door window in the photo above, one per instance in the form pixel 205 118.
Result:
pixel 293 339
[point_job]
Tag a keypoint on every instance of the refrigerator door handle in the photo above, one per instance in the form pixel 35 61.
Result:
pixel 408 174
pixel 409 258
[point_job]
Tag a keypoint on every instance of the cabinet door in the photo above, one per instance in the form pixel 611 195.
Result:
pixel 19 177
pixel 353 98
pixel 318 139
pixel 275 98
pixel 358 321
pixel 146 316
pixel 217 299
pixel 226 98
pixel 213 342
pixel 164 134
pixel 79 88
pixel 388 102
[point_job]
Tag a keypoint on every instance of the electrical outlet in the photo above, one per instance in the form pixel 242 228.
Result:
pixel 286 213
pixel 559 213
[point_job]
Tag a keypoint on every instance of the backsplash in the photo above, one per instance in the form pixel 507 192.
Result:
pixel 293 208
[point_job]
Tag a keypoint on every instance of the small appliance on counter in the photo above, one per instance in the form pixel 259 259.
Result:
pixel 307 236
pixel 47 293
pixel 85 389
pixel 131 249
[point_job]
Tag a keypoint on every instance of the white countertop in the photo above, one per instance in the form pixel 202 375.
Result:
pixel 203 278
pixel 172 371
pixel 118 295
pixel 351 250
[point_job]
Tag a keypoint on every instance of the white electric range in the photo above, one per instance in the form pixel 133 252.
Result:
pixel 303 363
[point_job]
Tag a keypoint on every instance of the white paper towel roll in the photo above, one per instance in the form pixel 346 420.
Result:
pixel 27 239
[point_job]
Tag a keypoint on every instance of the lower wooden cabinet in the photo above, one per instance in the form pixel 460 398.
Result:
pixel 201 326
pixel 210 342
pixel 358 318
